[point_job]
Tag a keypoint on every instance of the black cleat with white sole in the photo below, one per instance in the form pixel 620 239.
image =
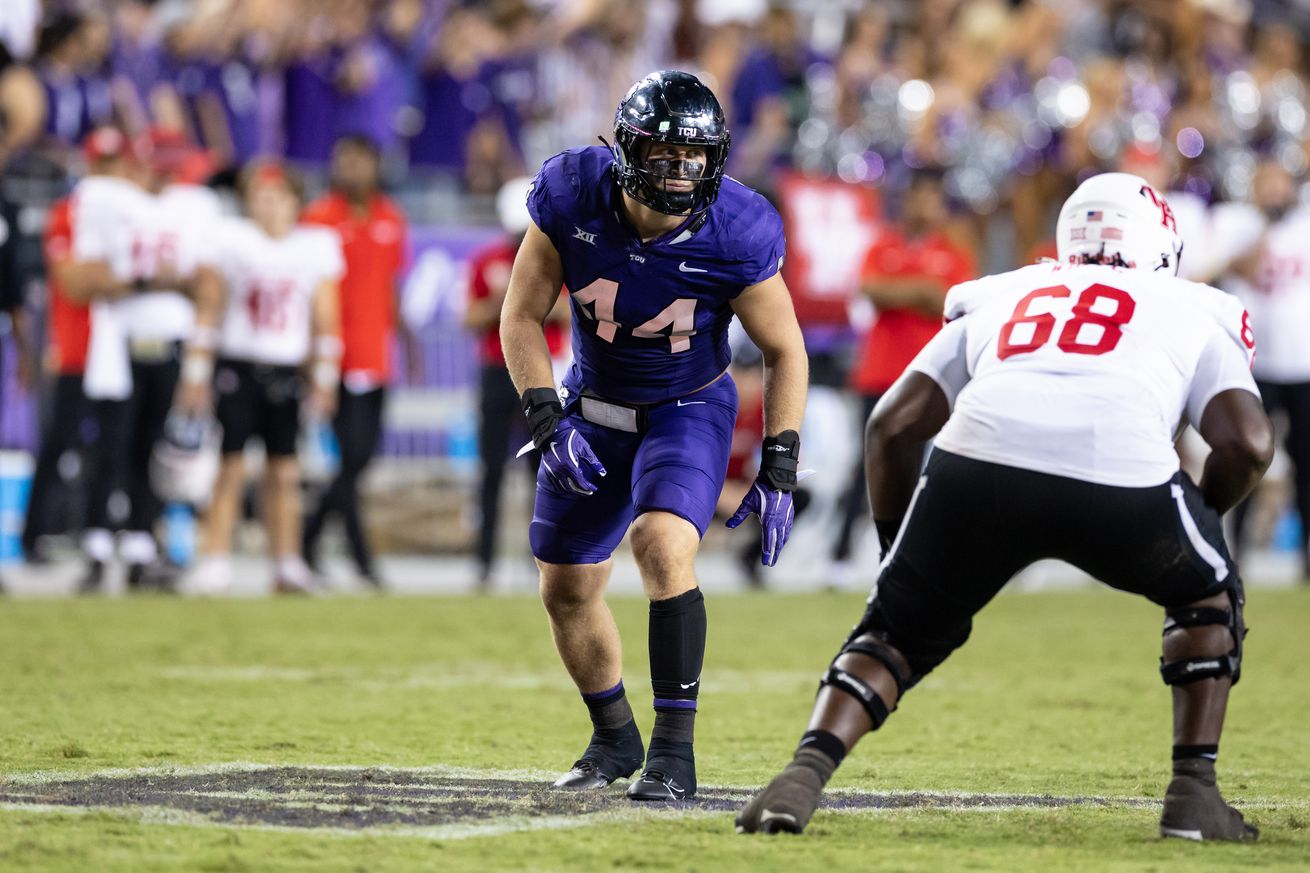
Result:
pixel 670 773
pixel 786 804
pixel 609 756
pixel 661 786
pixel 589 775
pixel 1195 810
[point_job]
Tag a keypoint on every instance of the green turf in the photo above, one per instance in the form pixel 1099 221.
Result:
pixel 1055 694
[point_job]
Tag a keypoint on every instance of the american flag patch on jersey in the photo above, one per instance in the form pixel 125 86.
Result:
pixel 1094 215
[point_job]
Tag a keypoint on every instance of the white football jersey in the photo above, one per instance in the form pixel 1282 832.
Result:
pixel 134 231
pixel 1279 301
pixel 271 285
pixel 1085 372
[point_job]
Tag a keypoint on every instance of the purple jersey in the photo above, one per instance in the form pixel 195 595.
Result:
pixel 650 320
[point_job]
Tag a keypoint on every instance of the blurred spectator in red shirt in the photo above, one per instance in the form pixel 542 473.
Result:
pixel 498 408
pixel 373 239
pixel 64 361
pixel 906 274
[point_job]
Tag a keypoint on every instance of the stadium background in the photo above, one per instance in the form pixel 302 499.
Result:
pixel 235 734
pixel 833 105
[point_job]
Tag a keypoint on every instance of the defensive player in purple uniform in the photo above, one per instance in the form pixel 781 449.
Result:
pixel 659 250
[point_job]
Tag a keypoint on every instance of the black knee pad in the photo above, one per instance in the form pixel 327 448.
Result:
pixel 1208 666
pixel 872 645
pixel 860 690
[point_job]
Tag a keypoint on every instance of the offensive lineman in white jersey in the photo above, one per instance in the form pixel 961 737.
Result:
pixel 280 314
pixel 1054 396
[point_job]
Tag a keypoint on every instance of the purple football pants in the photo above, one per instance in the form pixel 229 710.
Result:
pixel 678 465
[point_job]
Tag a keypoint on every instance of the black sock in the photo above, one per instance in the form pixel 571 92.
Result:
pixel 615 741
pixel 1210 752
pixel 609 710
pixel 824 742
pixel 1196 761
pixel 677 652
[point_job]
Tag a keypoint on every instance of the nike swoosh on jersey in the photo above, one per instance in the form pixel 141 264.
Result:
pixel 692 402
pixel 683 268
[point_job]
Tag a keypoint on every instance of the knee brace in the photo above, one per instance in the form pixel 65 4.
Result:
pixel 1210 665
pixel 872 646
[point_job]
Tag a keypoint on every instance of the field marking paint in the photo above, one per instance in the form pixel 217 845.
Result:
pixel 163 815
pixel 330 795
pixel 450 771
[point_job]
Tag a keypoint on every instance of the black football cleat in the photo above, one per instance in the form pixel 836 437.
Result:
pixel 610 755
pixel 656 785
pixel 786 804
pixel 93 580
pixel 155 576
pixel 588 775
pixel 1195 810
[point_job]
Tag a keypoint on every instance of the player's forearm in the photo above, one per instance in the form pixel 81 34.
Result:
pixel 1241 440
pixel 911 413
pixel 786 381
pixel 918 292
pixel 93 280
pixel 526 354
pixel 483 314
pixel 1229 476
pixel 891 468
pixel 210 297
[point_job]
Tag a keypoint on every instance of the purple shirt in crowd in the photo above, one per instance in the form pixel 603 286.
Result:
pixel 310 101
pixel 235 82
pixel 374 110
pixel 451 108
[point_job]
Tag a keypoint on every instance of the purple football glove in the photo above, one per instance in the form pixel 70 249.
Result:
pixel 571 466
pixel 771 496
pixel 776 515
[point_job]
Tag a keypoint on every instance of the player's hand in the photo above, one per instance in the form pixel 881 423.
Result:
pixel 195 399
pixel 322 402
pixel 770 496
pixel 776 514
pixel 571 466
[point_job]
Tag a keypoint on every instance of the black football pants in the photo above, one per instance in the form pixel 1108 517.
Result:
pixel 1293 399
pixel 127 433
pixel 357 425
pixel 499 418
pixel 64 429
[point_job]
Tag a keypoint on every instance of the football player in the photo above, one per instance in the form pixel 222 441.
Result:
pixel 138 251
pixel 280 314
pixel 659 250
pixel 1054 395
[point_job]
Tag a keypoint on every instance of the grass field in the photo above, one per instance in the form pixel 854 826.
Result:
pixel 1057 695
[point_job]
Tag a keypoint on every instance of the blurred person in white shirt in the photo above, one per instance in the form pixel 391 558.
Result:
pixel 140 243
pixel 275 315
pixel 1263 244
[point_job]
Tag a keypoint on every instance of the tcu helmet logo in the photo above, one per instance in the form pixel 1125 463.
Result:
pixel 1166 214
pixel 686 131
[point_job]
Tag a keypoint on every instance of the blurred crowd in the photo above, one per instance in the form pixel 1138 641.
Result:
pixel 1012 100
pixel 967 121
